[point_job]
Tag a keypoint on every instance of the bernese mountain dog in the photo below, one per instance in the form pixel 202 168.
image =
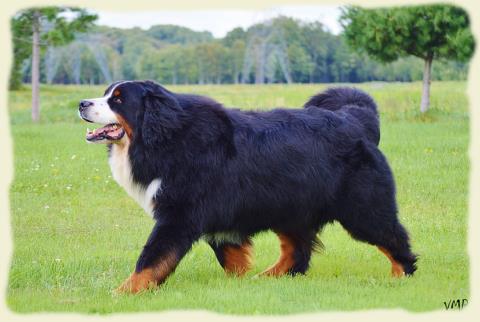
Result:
pixel 221 174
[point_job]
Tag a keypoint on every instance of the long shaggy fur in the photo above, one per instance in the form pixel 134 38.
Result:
pixel 227 172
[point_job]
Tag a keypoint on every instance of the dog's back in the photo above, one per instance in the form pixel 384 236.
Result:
pixel 351 102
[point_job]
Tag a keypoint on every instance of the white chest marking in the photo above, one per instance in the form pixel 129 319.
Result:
pixel 122 173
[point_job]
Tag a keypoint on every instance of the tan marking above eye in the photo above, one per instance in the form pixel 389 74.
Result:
pixel 116 93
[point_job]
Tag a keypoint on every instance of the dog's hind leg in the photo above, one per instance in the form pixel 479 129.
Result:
pixel 236 259
pixel 376 223
pixel 295 253
pixel 366 208
pixel 391 239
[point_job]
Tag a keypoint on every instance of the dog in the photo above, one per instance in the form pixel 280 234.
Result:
pixel 205 171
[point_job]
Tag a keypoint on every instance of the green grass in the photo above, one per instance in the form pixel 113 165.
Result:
pixel 77 234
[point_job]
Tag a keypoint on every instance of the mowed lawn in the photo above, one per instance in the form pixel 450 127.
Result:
pixel 77 234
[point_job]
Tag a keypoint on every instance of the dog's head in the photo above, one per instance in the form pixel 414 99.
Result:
pixel 141 110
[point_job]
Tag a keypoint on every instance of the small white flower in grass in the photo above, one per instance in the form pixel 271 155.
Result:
pixel 46 207
pixel 58 260
pixel 45 185
pixel 69 187
pixel 73 157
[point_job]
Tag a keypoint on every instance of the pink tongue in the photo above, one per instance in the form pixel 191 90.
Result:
pixel 106 130
pixel 115 132
pixel 100 130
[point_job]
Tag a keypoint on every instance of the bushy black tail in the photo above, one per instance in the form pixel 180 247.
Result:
pixel 337 97
pixel 355 102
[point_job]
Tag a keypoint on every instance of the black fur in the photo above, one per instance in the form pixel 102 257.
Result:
pixel 350 103
pixel 288 170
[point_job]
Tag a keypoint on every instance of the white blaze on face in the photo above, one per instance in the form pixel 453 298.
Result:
pixel 99 111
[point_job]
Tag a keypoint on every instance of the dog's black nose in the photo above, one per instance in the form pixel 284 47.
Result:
pixel 84 104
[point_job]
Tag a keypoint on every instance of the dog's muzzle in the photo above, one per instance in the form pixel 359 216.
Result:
pixel 82 108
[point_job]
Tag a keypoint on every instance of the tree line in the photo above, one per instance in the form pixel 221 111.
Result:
pixel 50 47
pixel 280 50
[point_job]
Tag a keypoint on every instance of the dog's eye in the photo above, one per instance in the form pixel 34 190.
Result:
pixel 117 100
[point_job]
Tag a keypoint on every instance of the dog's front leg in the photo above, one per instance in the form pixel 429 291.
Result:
pixel 165 247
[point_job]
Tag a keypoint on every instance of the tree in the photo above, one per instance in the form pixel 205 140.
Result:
pixel 314 39
pixel 178 35
pixel 46 26
pixel 428 32
pixel 237 56
pixel 234 41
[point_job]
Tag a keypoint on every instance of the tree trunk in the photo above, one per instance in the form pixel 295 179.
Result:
pixel 260 63
pixel 312 68
pixel 174 76
pixel 427 72
pixel 36 67
pixel 236 76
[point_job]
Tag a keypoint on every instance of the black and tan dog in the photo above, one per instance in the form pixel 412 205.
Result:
pixel 223 174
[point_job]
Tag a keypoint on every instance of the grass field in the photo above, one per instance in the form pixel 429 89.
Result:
pixel 77 234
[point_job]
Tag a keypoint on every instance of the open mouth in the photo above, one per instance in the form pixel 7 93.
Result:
pixel 110 132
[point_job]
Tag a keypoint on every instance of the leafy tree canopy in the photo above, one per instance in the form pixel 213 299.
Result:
pixel 178 35
pixel 57 26
pixel 427 32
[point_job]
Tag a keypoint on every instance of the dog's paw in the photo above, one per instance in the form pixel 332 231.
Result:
pixel 136 283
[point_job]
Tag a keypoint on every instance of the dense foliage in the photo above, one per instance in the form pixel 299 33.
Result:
pixel 429 32
pixel 279 50
pixel 57 25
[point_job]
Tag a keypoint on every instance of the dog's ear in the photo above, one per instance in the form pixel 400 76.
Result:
pixel 162 115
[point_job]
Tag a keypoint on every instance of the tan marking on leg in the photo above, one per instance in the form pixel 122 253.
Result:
pixel 238 260
pixel 149 277
pixel 397 268
pixel 138 282
pixel 286 261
